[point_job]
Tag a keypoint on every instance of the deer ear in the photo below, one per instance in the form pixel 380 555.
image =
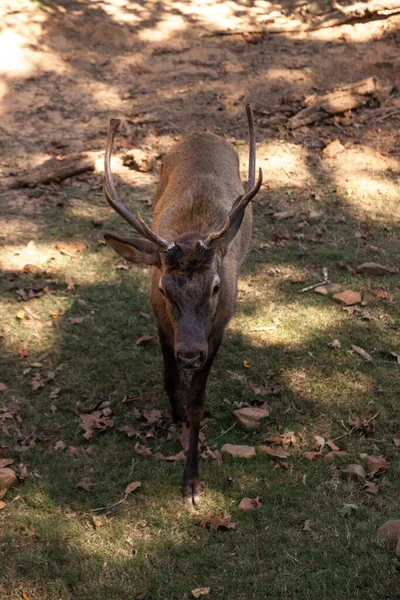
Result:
pixel 138 251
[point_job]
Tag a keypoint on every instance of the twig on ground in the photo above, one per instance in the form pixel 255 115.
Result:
pixel 110 506
pixel 223 433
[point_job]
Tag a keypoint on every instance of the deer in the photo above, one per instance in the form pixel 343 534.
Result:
pixel 200 235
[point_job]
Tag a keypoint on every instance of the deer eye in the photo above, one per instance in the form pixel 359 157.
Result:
pixel 216 289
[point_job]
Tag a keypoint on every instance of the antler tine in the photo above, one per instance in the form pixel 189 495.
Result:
pixel 113 199
pixel 153 236
pixel 239 205
pixel 252 148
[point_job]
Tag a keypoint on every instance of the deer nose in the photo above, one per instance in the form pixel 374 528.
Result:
pixel 190 359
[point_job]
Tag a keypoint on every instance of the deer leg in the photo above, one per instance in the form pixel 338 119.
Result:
pixel 191 480
pixel 174 384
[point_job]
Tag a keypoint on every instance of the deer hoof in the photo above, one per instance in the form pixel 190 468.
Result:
pixel 192 492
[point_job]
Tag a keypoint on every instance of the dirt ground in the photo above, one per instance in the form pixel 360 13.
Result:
pixel 163 68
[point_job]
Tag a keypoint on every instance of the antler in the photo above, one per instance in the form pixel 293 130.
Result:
pixel 252 188
pixel 113 199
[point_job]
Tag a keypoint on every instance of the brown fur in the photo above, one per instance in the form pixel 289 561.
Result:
pixel 194 286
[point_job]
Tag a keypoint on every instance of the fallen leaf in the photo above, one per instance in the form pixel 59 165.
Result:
pixel 351 309
pixel 213 454
pixel 7 478
pixel 396 442
pixel 21 314
pixel 75 452
pixel 60 445
pixel 132 487
pixel 366 427
pixel 250 503
pixel 371 488
pixel 75 320
pixel 362 353
pixel 142 450
pixel 330 456
pixel 283 215
pixel 145 339
pixel 3 387
pixel 389 533
pixel 239 451
pixel 130 430
pixel 332 446
pixel 322 290
pixel 215 522
pixel 153 416
pixel 86 484
pixel 308 525
pixel 23 472
pixel 333 149
pixel 396 355
pixel 354 472
pixel 70 249
pixel 246 364
pixel 180 457
pixel 94 423
pixel 348 297
pixel 335 344
pixel 250 417
pixel 70 284
pixel 284 439
pixel 271 451
pixel 372 268
pixel 97 522
pixel 312 455
pixel 2 505
pixel 376 464
pixel 320 443
pixel 25 596
pixel 196 593
pixel 5 462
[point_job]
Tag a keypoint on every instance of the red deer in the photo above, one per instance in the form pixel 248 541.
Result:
pixel 199 238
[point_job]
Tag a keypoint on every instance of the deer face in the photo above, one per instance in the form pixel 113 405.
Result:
pixel 190 286
pixel 187 285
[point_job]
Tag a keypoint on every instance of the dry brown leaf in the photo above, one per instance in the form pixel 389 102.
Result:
pixel 372 268
pixel 198 592
pixel 70 249
pixel 335 344
pixel 145 339
pixel 130 430
pixel 75 320
pixel 396 355
pixel 215 522
pixel 308 523
pixel 153 416
pixel 371 488
pixel 25 596
pixel 250 417
pixel 70 284
pixel 396 442
pixel 246 364
pixel 3 387
pixel 389 532
pixel 75 452
pixel 213 454
pixel 142 450
pixel 7 478
pixel 86 484
pixel 60 445
pixel 5 462
pixel 348 297
pixel 376 464
pixel 250 503
pixel 312 455
pixel 284 439
pixel 271 451
pixel 132 487
pixel 330 456
pixel 354 472
pixel 94 423
pixel 97 522
pixel 366 427
pixel 2 505
pixel 333 446
pixel 239 451
pixel 362 353
pixel 23 472
pixel 319 443
pixel 180 457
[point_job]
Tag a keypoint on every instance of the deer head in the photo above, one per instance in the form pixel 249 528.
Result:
pixel 188 285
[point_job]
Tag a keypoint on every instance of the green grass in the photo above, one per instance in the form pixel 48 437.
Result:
pixel 152 543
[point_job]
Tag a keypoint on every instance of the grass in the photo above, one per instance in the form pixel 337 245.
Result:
pixel 151 543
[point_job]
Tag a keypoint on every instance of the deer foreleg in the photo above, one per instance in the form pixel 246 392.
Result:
pixel 191 479
pixel 174 384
